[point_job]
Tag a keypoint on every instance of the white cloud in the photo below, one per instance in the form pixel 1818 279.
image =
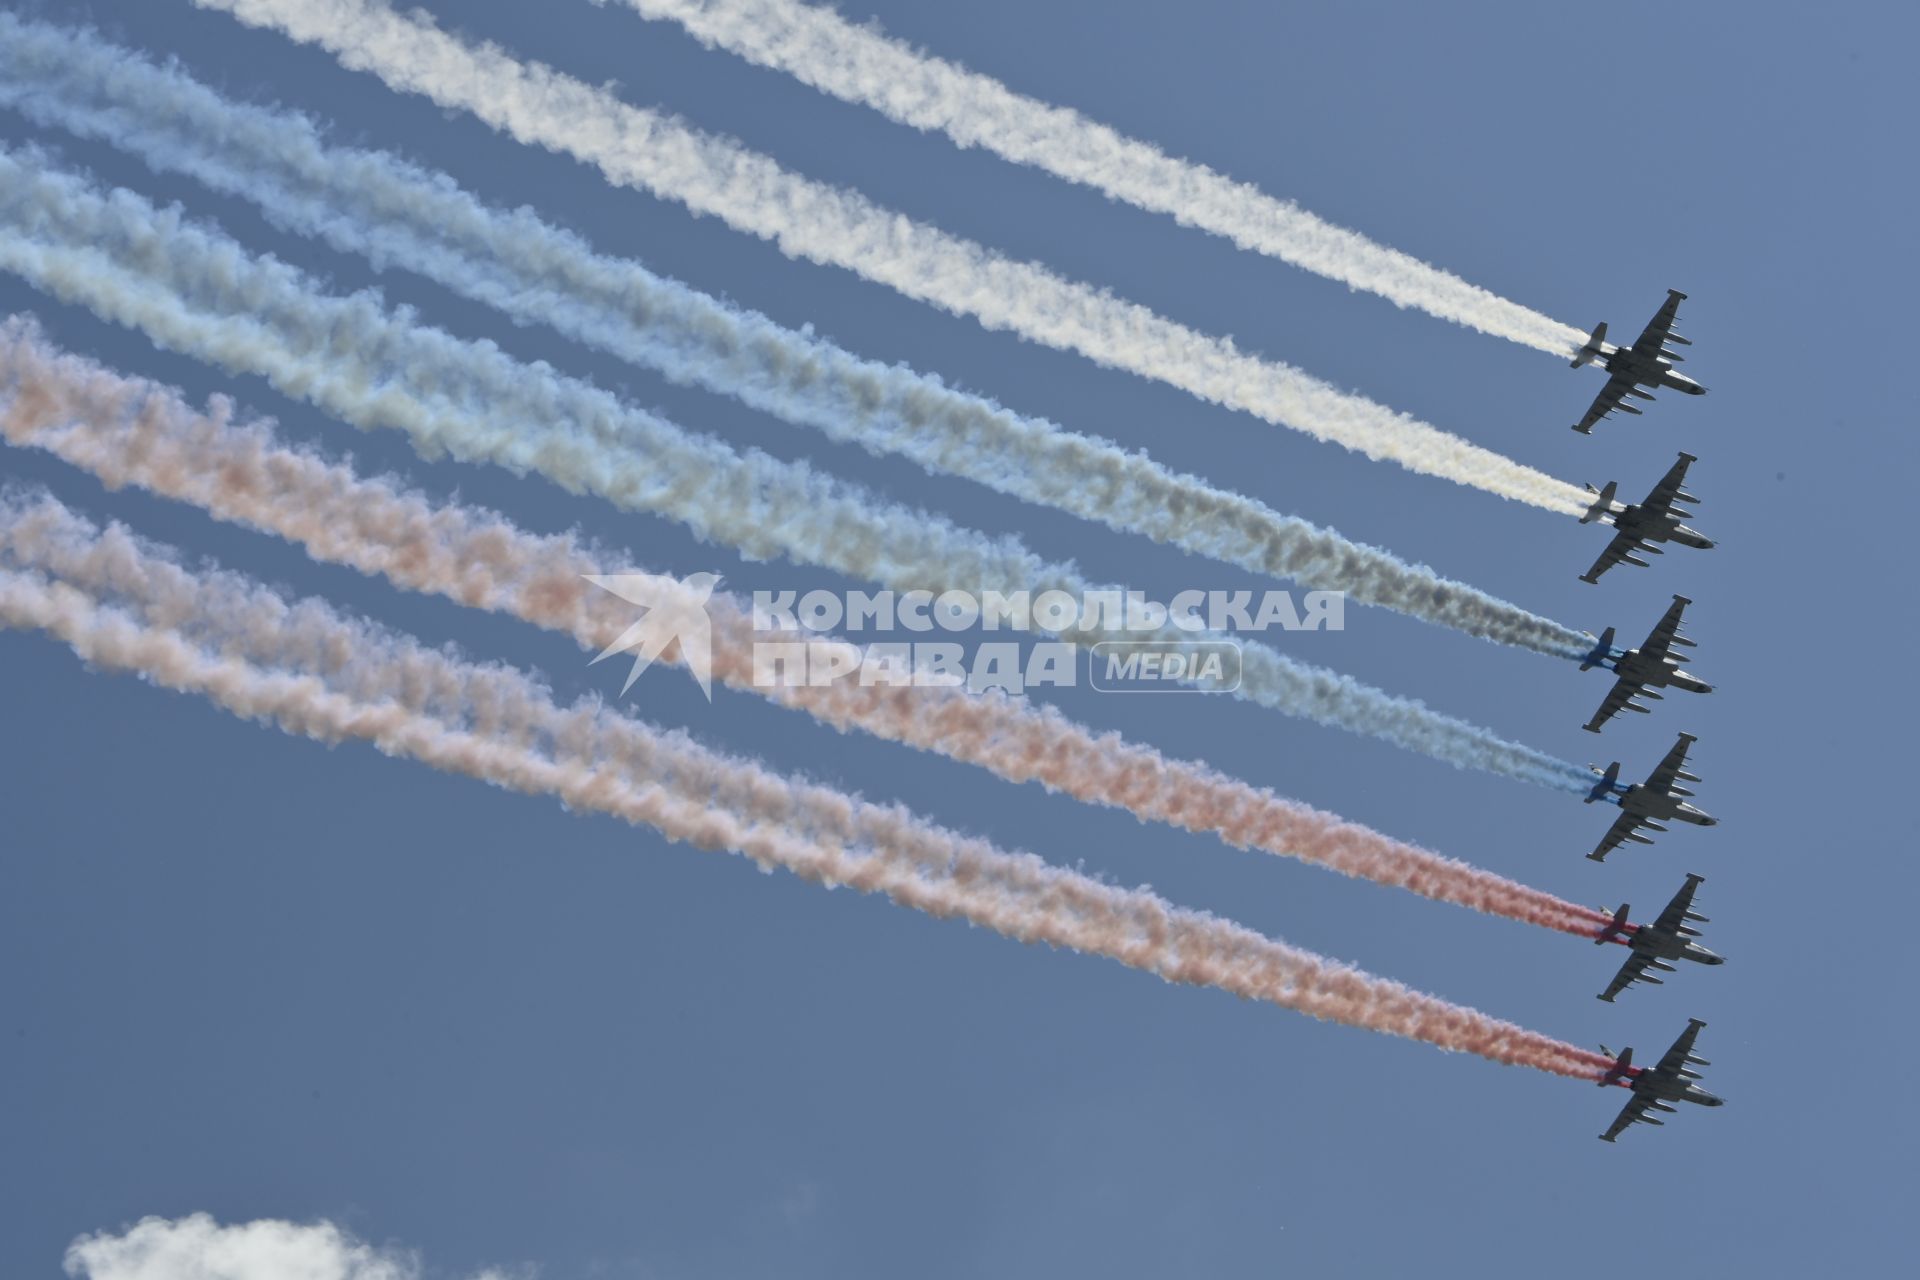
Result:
pixel 198 1248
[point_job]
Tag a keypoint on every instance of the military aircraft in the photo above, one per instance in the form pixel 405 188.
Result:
pixel 1670 937
pixel 1641 525
pixel 1658 1087
pixel 1640 671
pixel 1643 804
pixel 1647 363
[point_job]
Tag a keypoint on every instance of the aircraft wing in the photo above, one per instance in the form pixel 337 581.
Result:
pixel 1654 336
pixel 1630 972
pixel 1620 548
pixel 1675 914
pixel 1676 1057
pixel 1633 1113
pixel 1625 828
pixel 1660 642
pixel 1671 485
pixel 1669 769
pixel 1612 396
pixel 1621 695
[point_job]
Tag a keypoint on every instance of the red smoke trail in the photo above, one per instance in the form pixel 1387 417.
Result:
pixel 514 736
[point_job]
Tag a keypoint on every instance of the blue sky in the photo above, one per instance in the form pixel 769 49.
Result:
pixel 252 976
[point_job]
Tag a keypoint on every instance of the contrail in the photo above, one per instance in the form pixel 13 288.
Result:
pixel 496 724
pixel 658 153
pixel 859 64
pixel 376 205
pixel 131 431
pixel 193 289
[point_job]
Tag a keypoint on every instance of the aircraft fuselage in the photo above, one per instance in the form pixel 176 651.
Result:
pixel 1645 802
pixel 1661 944
pixel 1656 673
pixel 1674 1088
pixel 1648 371
pixel 1645 525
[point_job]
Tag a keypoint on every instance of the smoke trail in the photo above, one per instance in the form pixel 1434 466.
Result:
pixel 503 727
pixel 659 154
pixel 130 431
pixel 858 64
pixel 194 289
pixel 374 204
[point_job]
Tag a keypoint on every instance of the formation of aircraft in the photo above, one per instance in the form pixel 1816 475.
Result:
pixel 1646 528
pixel 1647 363
pixel 1640 671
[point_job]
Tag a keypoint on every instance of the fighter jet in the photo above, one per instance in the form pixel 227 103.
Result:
pixel 1641 671
pixel 1643 804
pixel 1647 363
pixel 1640 526
pixel 1670 937
pixel 1658 1087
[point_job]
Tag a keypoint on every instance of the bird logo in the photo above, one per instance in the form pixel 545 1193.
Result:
pixel 672 612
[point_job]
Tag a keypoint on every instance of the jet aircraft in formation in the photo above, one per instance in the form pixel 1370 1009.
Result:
pixel 1647 804
pixel 1670 937
pixel 1637 526
pixel 1658 1087
pixel 1647 363
pixel 1634 373
pixel 1640 671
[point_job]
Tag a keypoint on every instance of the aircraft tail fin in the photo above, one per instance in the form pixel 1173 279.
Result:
pixel 1614 928
pixel 1602 650
pixel 1595 345
pixel 1604 788
pixel 1622 1065
pixel 1602 501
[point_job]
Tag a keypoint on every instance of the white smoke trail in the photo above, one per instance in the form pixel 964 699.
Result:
pixel 659 154
pixel 500 726
pixel 193 289
pixel 374 204
pixel 859 64
pixel 129 431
